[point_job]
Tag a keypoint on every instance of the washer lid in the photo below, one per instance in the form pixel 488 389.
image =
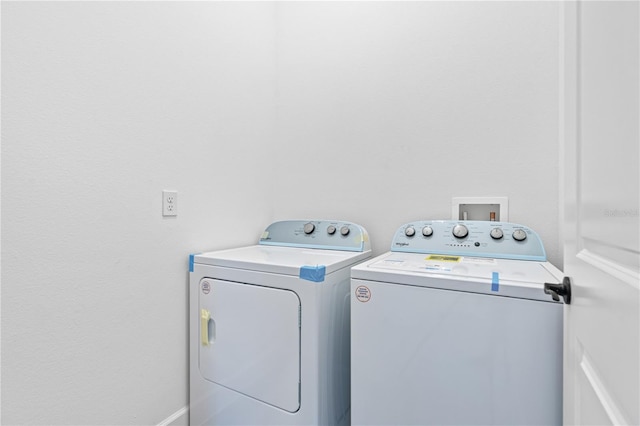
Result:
pixel 500 277
pixel 280 260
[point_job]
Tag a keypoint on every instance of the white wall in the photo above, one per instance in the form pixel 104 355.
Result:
pixel 104 105
pixel 387 110
pixel 376 113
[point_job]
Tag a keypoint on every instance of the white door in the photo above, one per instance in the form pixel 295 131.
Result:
pixel 250 341
pixel 601 212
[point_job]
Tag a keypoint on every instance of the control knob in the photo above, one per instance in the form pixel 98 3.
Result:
pixel 460 231
pixel 331 229
pixel 345 230
pixel 410 231
pixel 309 228
pixel 519 235
pixel 427 231
pixel 496 233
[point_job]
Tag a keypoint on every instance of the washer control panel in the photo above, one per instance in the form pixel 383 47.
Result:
pixel 500 240
pixel 318 234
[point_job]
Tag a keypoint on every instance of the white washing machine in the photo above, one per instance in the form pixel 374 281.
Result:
pixel 269 327
pixel 452 326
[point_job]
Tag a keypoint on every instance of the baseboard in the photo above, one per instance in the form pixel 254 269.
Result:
pixel 179 418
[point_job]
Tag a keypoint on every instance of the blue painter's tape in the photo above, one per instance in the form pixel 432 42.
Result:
pixel 191 262
pixel 495 282
pixel 313 273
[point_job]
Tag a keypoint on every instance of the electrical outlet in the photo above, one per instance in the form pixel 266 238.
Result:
pixel 169 203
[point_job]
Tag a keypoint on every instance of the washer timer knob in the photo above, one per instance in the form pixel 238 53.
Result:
pixel 345 230
pixel 519 235
pixel 331 229
pixel 496 233
pixel 460 231
pixel 427 231
pixel 309 228
pixel 410 231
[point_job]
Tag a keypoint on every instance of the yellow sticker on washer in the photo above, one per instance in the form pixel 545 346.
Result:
pixel 442 258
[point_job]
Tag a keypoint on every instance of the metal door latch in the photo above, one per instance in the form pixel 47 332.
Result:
pixel 557 290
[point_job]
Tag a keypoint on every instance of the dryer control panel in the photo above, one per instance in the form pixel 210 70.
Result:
pixel 499 240
pixel 317 234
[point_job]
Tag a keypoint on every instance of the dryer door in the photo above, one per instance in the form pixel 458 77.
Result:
pixel 250 340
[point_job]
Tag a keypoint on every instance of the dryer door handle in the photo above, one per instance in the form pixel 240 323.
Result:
pixel 557 290
pixel 207 328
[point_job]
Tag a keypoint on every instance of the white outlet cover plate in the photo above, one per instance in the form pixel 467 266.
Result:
pixel 169 203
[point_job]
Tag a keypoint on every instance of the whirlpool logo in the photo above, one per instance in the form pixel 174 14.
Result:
pixel 402 244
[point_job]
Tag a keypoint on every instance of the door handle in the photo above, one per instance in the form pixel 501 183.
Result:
pixel 205 317
pixel 557 290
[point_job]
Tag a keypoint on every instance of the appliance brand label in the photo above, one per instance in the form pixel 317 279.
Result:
pixel 205 287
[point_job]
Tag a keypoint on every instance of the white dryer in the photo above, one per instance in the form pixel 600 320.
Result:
pixel 269 327
pixel 453 326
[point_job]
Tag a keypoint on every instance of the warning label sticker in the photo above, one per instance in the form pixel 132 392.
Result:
pixel 442 258
pixel 206 287
pixel 363 294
